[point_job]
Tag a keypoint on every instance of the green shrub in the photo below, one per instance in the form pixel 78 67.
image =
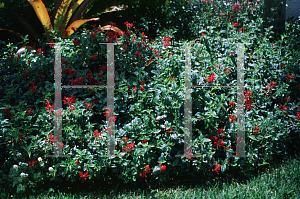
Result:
pixel 150 119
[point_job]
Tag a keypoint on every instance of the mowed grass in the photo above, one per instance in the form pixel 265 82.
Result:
pixel 280 179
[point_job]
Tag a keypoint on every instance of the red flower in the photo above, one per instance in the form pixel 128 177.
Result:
pixel 76 42
pixel 129 25
pixel 96 101
pixel 33 88
pixel 144 141
pixel 256 131
pixel 103 68
pixel 93 35
pixel 49 108
pixel 99 30
pixel 61 145
pixel 134 88
pixel 189 155
pixel 112 23
pixel 97 134
pixel 282 107
pixel 21 138
pixel 78 82
pixel 40 51
pixel 166 41
pixel 94 56
pixel 210 78
pixel 248 93
pixel 11 55
pixel 109 113
pixel 220 130
pixel 243 29
pixel 51 45
pixel 298 116
pixel 77 162
pixel 235 24
pixel 203 35
pixel 217 168
pixel 142 88
pixel 220 143
pixel 214 139
pixel 65 62
pixel 147 169
pixel 143 175
pixel 25 74
pixel 69 100
pixel 29 112
pixel 227 70
pixel 137 53
pixel 51 139
pixel 130 147
pixel 289 77
pixel 272 84
pixel 162 168
pixel 124 139
pixel 69 71
pixel 248 103
pixel 84 175
pixel 65 33
pixel 232 104
pixel 237 7
pixel 35 161
pixel 232 118
pixel 8 114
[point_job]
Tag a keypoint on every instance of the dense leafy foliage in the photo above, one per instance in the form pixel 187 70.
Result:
pixel 149 104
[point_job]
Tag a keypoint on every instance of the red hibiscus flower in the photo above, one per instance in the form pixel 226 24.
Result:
pixel 162 168
pixel 84 175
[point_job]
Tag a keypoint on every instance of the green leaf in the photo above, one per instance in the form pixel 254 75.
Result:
pixel 161 159
pixel 175 162
pixel 205 140
pixel 207 45
pixel 223 168
pixel 27 149
pixel 156 170
pixel 252 137
pixel 264 162
pixel 233 60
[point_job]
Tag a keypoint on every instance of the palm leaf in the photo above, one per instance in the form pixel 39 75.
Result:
pixel 61 13
pixel 42 14
pixel 78 13
pixel 69 15
pixel 104 7
pixel 77 24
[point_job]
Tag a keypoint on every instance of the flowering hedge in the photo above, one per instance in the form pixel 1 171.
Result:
pixel 149 96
